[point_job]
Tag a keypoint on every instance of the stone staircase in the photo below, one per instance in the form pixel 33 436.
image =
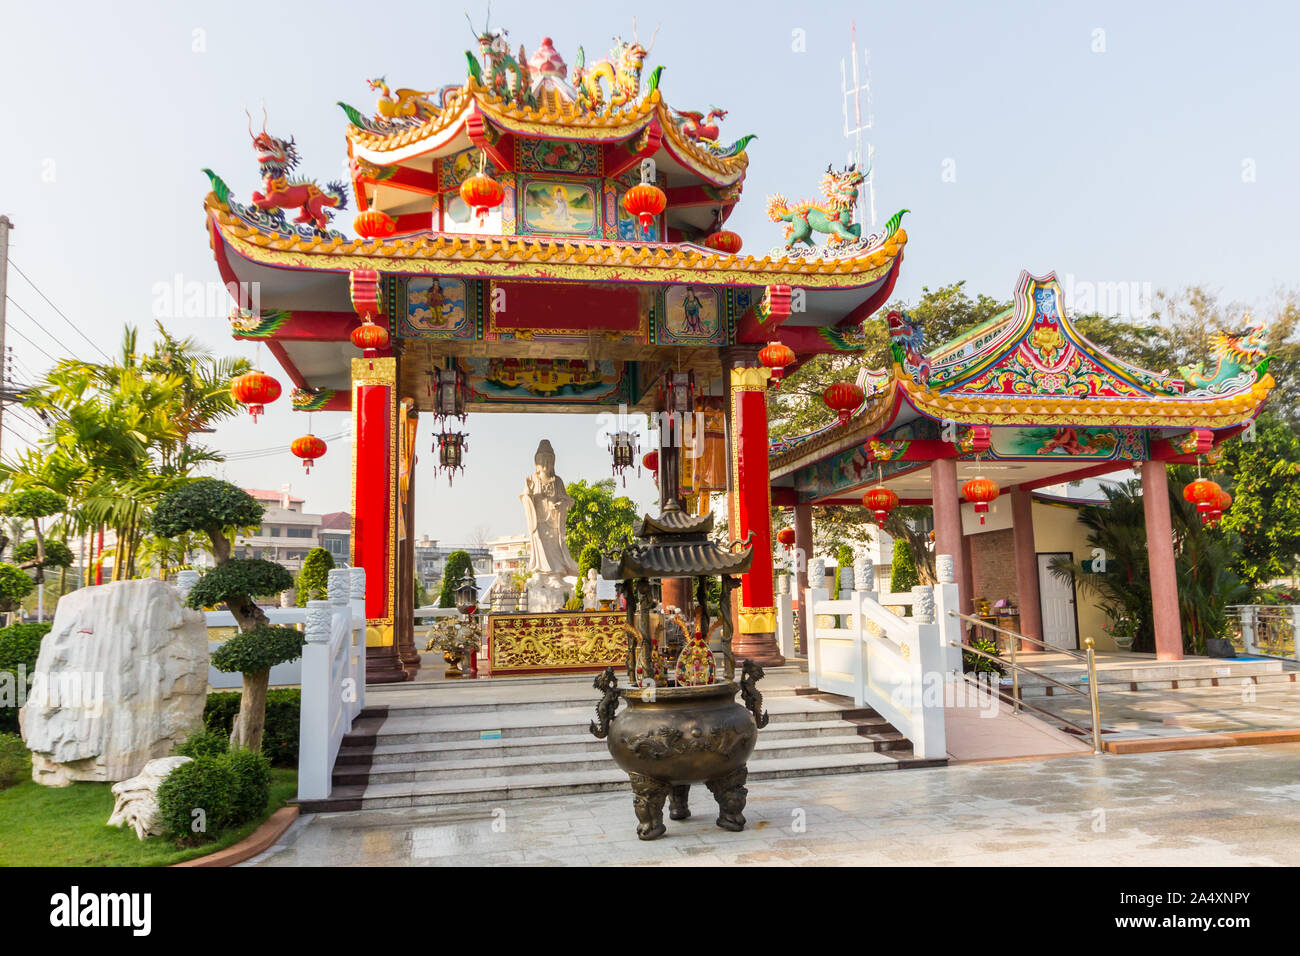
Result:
pixel 449 743
pixel 1119 675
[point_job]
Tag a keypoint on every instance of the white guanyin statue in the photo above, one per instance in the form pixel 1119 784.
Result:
pixel 546 506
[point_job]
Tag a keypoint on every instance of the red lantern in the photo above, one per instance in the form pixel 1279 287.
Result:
pixel 724 240
pixel 786 537
pixel 481 193
pixel 1222 504
pixel 981 491
pixel 1205 495
pixel 308 448
pixel 881 501
pixel 368 335
pixel 645 201
pixel 776 356
pixel 843 398
pixel 651 460
pixel 374 225
pixel 256 390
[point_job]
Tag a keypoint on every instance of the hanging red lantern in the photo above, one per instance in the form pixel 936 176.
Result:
pixel 881 501
pixel 724 240
pixel 482 193
pixel 374 224
pixel 786 537
pixel 308 448
pixel 256 390
pixel 776 356
pixel 843 398
pixel 645 201
pixel 1205 495
pixel 981 491
pixel 1221 504
pixel 368 335
pixel 651 460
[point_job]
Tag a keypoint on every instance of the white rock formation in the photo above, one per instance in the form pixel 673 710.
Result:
pixel 122 678
pixel 137 798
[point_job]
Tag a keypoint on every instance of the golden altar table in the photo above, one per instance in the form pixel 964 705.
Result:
pixel 563 641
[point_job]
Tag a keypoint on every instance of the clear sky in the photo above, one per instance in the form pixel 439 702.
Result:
pixel 1141 143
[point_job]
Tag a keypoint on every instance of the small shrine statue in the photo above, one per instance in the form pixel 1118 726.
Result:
pixel 546 506
pixel 589 600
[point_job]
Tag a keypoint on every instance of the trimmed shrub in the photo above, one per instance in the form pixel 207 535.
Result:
pixel 254 792
pixel 238 580
pixel 206 743
pixel 197 799
pixel 19 646
pixel 251 652
pixel 15 584
pixel 313 579
pixel 458 565
pixel 57 554
pixel 843 563
pixel 206 504
pixel 589 558
pixel 15 761
pixel 279 739
pixel 902 573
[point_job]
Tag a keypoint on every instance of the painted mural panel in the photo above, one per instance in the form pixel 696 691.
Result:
pixel 540 380
pixel 1070 443
pixel 555 206
pixel 437 307
pixel 559 156
pixel 691 316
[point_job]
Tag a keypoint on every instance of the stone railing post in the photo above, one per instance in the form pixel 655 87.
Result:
pixel 864 573
pixel 1295 631
pixel 945 600
pixel 928 677
pixel 785 630
pixel 1247 615
pixel 314 767
pixel 357 589
pixel 810 598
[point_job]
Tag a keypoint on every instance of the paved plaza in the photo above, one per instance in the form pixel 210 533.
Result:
pixel 1237 806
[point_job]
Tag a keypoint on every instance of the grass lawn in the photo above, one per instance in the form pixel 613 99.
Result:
pixel 65 826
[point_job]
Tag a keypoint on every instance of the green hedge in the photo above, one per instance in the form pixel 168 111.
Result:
pixel 230 789
pixel 206 743
pixel 279 739
pixel 19 645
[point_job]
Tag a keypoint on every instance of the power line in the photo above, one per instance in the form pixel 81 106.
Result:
pixel 38 325
pixel 59 311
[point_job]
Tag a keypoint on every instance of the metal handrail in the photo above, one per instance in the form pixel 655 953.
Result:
pixel 1019 667
pixel 1024 637
pixel 1046 713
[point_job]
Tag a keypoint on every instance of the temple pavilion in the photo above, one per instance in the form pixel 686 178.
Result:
pixel 540 237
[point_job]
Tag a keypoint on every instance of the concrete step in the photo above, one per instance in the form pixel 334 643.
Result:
pixel 1029 687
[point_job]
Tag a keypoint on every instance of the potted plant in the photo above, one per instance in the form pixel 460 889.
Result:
pixel 457 639
pixel 1122 629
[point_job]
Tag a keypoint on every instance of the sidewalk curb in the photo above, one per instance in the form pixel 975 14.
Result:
pixel 256 842
pixel 1245 738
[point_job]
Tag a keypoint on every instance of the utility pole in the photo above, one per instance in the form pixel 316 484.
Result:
pixel 5 226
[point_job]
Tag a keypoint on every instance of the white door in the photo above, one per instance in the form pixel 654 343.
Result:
pixel 1057 600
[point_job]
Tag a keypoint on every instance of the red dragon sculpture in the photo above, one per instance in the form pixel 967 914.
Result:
pixel 277 158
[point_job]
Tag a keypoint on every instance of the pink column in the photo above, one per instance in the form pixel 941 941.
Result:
pixel 803 542
pixel 1164 573
pixel 947 524
pixel 1022 533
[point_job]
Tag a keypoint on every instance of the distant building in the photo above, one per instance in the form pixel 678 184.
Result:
pixel 509 554
pixel 431 560
pixel 286 534
pixel 336 537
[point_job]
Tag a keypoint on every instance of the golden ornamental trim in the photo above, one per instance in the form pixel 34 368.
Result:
pixel 758 620
pixel 375 371
pixel 750 379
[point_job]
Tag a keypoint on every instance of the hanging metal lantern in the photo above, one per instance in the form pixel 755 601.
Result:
pixel 308 448
pixel 679 393
pixel 369 336
pixel 255 390
pixel 1205 495
pixel 451 448
pixel 623 446
pixel 724 240
pixel 374 224
pixel 786 537
pixel 843 398
pixel 881 501
pixel 448 386
pixel 981 491
pixel 776 356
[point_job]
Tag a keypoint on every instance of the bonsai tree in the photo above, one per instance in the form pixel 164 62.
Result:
pixel 458 565
pixel 219 509
pixel 313 579
pixel 33 504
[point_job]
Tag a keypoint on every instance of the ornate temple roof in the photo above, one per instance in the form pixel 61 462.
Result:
pixel 675 544
pixel 1031 367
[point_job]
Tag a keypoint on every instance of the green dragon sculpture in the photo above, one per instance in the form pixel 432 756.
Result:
pixel 833 217
pixel 1242 359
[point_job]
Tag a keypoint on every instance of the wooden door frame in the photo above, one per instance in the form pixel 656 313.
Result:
pixel 1074 594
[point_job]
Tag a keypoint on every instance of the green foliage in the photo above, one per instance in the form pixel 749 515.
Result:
pixel 205 743
pixel 196 801
pixel 19 646
pixel 587 559
pixel 239 580
pixel 974 663
pixel 279 739
pixel 253 771
pixel 843 563
pixel 205 504
pixel 257 650
pixel 57 554
pixel 598 517
pixel 902 572
pixel 313 579
pixel 15 761
pixel 14 586
pixel 458 565
pixel 32 503
pixel 421 595
pixel 1261 475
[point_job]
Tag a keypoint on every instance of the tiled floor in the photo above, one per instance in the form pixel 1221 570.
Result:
pixel 1193 710
pixel 1204 808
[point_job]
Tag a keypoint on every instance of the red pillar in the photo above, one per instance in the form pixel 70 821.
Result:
pixel 374 508
pixel 947 525
pixel 803 543
pixel 750 505
pixel 1164 573
pixel 1022 533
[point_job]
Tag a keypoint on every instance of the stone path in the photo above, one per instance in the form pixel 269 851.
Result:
pixel 1241 706
pixel 1204 808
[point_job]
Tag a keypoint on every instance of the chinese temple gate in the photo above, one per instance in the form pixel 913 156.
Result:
pixel 539 239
